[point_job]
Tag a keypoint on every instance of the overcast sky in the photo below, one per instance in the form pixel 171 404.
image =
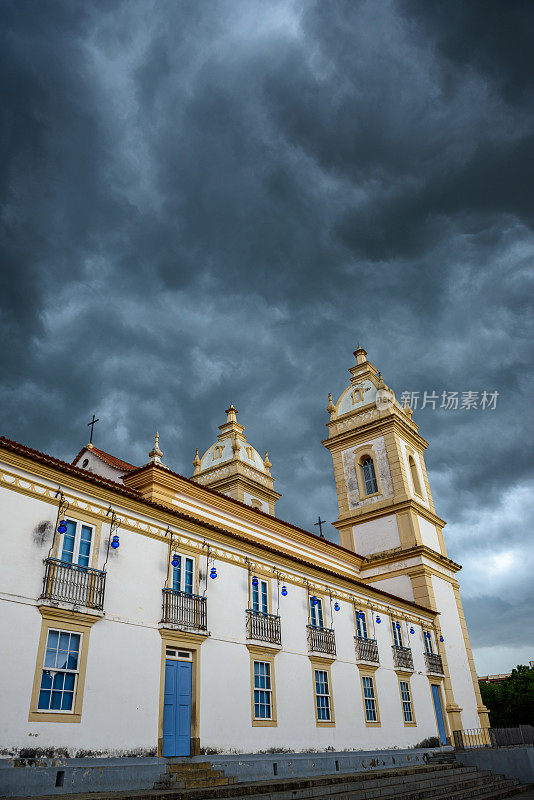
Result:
pixel 212 202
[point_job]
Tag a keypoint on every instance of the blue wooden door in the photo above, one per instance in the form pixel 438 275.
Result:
pixel 177 709
pixel 439 713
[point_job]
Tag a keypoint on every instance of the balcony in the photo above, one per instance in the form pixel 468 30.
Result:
pixel 366 649
pixel 321 640
pixel 402 657
pixel 264 627
pixel 185 610
pixel 433 663
pixel 70 583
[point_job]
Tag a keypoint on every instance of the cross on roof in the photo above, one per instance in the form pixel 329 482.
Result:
pixel 320 522
pixel 92 425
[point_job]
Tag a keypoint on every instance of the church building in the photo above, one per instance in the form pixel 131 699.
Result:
pixel 144 612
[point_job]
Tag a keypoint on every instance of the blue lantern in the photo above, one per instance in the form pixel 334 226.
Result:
pixel 62 527
pixel 213 573
pixel 378 620
pixel 175 560
pixel 441 639
pixel 313 600
pixel 284 591
pixel 361 615
pixel 255 581
pixel 336 606
pixel 412 630
pixel 427 634
pixel 115 542
pixel 397 625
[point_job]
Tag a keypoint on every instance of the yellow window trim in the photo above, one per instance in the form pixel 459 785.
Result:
pixel 73 622
pixel 369 672
pixel 405 678
pixel 267 654
pixel 325 664
pixel 360 453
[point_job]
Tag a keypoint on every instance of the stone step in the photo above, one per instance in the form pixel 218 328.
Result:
pixel 175 773
pixel 333 785
pixel 293 785
pixel 194 782
pixel 468 786
pixel 172 766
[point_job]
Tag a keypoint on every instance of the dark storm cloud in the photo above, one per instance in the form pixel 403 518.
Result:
pixel 205 203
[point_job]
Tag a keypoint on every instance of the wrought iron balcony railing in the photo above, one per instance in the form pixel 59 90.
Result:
pixel 403 657
pixel 70 583
pixel 185 610
pixel 264 627
pixel 433 663
pixel 322 640
pixel 366 649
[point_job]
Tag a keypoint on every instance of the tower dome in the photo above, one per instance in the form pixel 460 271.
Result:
pixel 232 466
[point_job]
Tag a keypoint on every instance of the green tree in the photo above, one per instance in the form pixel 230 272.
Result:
pixel 511 702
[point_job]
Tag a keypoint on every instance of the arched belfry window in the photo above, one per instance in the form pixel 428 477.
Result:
pixel 415 476
pixel 369 475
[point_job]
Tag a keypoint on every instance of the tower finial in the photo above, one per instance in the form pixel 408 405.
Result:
pixel 196 463
pixel 360 355
pixel 266 463
pixel 155 454
pixel 231 414
pixel 330 407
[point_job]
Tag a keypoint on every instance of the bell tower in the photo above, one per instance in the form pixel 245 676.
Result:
pixel 379 468
pixel 387 515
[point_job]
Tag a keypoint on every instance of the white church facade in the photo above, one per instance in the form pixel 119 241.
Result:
pixel 145 612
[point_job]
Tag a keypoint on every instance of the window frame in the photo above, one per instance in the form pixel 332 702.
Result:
pixel 66 622
pixel 369 674
pixel 429 644
pixel 184 558
pixel 320 664
pixel 80 524
pixel 316 611
pixel 360 454
pixel 409 723
pixel 57 670
pixel 263 584
pixel 259 653
pixel 259 689
pixel 396 633
pixel 361 624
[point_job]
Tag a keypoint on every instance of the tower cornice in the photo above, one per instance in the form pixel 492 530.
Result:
pixel 385 508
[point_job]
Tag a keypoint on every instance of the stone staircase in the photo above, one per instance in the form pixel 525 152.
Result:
pixel 192 775
pixel 442 779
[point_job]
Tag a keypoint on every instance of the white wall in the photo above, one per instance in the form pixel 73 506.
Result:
pixel 462 683
pixel 429 534
pixel 400 585
pixel 376 535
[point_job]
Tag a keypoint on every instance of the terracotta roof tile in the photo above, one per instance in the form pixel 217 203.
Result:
pixel 113 461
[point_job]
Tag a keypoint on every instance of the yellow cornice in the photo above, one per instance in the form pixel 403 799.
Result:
pixel 237 468
pixel 380 422
pixel 386 508
pixel 401 554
